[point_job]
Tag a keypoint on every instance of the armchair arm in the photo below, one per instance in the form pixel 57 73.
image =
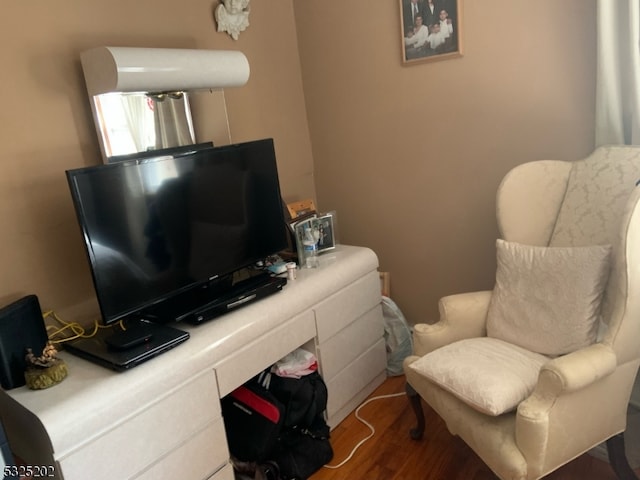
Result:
pixel 558 396
pixel 567 374
pixel 578 369
pixel 461 316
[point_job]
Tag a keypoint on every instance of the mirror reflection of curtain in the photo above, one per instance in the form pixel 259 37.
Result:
pixel 172 122
pixel 139 119
pixel 618 74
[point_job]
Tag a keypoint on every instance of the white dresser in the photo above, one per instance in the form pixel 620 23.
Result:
pixel 162 419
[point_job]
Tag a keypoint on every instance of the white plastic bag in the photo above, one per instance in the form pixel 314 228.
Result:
pixel 397 336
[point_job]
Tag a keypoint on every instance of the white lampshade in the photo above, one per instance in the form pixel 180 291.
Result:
pixel 130 69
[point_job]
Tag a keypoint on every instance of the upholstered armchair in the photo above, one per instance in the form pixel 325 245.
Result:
pixel 539 370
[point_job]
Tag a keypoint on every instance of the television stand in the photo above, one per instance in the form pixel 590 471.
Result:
pixel 162 420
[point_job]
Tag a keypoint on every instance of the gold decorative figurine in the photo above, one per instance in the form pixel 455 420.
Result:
pixel 46 370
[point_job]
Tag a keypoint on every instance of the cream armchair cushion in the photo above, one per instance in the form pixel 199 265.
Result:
pixel 547 299
pixel 488 374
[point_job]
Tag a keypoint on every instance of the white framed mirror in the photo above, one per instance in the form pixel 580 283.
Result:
pixel 129 123
pixel 139 96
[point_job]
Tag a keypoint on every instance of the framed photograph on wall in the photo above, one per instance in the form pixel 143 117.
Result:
pixel 431 30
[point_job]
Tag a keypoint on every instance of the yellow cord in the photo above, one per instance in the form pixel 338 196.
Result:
pixel 76 330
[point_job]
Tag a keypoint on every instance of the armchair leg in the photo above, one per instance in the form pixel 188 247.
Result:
pixel 618 458
pixel 414 399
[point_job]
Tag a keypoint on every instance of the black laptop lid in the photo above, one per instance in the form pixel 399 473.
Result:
pixel 96 349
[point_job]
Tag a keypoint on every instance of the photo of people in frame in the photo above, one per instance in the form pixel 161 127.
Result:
pixel 326 239
pixel 430 29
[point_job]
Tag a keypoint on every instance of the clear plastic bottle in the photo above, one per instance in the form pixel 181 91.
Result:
pixel 310 249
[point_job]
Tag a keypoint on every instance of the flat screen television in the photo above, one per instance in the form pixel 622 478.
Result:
pixel 160 232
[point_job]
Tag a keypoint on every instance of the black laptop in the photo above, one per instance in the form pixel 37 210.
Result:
pixel 122 351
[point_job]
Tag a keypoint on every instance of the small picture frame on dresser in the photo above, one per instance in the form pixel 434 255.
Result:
pixel 327 228
pixel 300 220
pixel 303 207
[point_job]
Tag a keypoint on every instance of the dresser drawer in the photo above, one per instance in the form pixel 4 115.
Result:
pixel 350 342
pixel 139 440
pixel 199 458
pixel 340 309
pixel 355 377
pixel 254 357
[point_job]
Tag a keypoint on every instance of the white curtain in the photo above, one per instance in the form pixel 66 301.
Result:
pixel 137 115
pixel 172 122
pixel 618 76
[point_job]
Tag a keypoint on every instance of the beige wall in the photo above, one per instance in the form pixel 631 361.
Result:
pixel 47 125
pixel 410 156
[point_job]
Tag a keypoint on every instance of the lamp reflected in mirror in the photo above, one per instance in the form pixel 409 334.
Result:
pixel 137 122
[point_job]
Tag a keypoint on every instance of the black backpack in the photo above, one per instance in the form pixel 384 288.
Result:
pixel 303 398
pixel 301 445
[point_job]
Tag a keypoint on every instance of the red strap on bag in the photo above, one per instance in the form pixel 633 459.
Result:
pixel 257 403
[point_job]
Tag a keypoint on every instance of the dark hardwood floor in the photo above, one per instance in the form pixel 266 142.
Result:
pixel 391 454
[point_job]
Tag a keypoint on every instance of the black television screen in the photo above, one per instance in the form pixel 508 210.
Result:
pixel 155 228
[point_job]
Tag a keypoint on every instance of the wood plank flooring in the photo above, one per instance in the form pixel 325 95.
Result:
pixel 391 454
